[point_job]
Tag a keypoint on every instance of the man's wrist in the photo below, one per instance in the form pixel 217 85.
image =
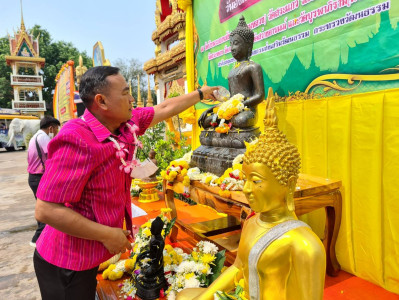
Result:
pixel 201 94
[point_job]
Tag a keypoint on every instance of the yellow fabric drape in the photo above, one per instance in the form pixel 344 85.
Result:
pixel 189 115
pixel 355 139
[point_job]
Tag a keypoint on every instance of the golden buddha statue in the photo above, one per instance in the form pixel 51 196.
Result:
pixel 279 257
pixel 80 70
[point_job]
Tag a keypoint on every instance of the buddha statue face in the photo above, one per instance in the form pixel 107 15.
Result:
pixel 262 190
pixel 239 48
pixel 241 41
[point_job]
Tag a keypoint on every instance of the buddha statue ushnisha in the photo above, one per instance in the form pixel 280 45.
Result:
pixel 278 256
pixel 246 78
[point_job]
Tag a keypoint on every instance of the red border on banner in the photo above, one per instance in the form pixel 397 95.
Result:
pixel 234 12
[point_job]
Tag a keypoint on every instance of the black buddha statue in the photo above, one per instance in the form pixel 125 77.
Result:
pixel 151 279
pixel 218 150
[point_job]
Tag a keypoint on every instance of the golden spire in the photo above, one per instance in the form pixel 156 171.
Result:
pixel 22 19
pixel 139 102
pixel 149 97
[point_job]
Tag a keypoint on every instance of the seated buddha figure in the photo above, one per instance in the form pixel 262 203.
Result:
pixel 279 257
pixel 151 279
pixel 245 78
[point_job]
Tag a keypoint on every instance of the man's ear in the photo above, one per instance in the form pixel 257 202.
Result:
pixel 99 101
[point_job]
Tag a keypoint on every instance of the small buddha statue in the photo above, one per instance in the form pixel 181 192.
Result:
pixel 279 257
pixel 151 279
pixel 245 78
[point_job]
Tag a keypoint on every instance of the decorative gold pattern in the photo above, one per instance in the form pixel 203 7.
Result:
pixel 175 89
pixel 172 24
pixel 351 78
pixel 166 59
pixel 173 123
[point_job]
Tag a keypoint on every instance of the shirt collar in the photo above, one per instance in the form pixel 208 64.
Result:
pixel 100 131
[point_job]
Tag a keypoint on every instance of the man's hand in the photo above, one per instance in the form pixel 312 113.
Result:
pixel 116 241
pixel 176 105
pixel 208 92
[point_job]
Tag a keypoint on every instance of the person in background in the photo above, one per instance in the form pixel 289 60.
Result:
pixel 37 156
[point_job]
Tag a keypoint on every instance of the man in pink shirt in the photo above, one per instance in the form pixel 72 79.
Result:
pixel 37 156
pixel 84 194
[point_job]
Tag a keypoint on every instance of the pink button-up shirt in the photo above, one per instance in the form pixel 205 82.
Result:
pixel 82 171
pixel 35 165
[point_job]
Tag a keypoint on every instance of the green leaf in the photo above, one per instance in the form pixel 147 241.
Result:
pixel 217 266
pixel 170 226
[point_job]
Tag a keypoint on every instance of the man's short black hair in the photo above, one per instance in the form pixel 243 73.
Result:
pixel 94 81
pixel 48 121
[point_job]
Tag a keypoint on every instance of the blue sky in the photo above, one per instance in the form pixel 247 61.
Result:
pixel 123 26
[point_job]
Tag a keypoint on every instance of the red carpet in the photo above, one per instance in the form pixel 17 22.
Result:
pixel 348 287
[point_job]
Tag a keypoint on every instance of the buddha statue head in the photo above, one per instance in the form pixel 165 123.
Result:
pixel 271 166
pixel 157 226
pixel 241 41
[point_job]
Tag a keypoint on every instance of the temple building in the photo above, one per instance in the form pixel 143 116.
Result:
pixel 26 64
pixel 169 64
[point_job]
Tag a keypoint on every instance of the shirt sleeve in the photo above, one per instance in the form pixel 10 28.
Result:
pixel 68 168
pixel 43 140
pixel 142 117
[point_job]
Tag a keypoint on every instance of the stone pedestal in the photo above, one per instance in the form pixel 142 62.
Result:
pixel 218 150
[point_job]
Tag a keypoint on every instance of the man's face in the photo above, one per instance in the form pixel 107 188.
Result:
pixel 117 99
pixel 54 129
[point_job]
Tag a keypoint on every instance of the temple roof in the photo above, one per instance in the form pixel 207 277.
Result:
pixel 170 21
pixel 167 59
pixel 24 45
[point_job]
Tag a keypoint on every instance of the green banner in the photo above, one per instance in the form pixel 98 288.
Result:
pixel 317 46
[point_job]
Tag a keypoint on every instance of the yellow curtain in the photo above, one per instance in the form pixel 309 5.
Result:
pixel 355 139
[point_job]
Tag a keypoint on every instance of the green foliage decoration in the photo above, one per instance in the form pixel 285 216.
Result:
pixel 166 149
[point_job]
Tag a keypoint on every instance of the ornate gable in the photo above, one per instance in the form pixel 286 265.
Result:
pixel 23 44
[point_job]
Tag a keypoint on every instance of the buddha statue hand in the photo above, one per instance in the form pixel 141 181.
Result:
pixel 204 121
